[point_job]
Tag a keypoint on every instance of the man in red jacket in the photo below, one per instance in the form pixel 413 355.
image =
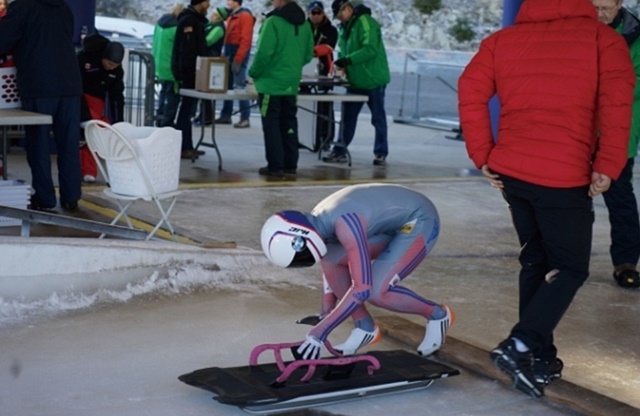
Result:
pixel 561 78
pixel 237 46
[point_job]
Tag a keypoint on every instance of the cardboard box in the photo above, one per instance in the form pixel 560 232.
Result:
pixel 9 97
pixel 212 74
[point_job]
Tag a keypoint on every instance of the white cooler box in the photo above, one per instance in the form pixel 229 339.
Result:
pixel 14 194
pixel 159 152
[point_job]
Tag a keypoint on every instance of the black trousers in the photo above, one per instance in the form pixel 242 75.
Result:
pixel 65 112
pixel 554 228
pixel 623 217
pixel 325 125
pixel 280 129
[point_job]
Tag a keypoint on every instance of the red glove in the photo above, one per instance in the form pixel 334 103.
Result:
pixel 320 51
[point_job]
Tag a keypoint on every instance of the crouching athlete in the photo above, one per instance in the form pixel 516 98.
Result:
pixel 367 238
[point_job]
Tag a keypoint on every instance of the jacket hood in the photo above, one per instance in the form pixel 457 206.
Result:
pixel 94 43
pixel 189 11
pixel 168 20
pixel 630 25
pixel 547 10
pixel 52 2
pixel 359 10
pixel 290 12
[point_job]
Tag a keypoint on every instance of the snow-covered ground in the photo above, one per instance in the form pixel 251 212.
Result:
pixel 119 351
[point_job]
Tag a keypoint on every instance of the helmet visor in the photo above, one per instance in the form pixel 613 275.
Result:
pixel 303 257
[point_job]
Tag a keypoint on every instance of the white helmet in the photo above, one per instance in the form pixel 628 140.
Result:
pixel 289 240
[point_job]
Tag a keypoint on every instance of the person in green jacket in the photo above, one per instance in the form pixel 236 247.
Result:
pixel 620 199
pixel 285 45
pixel 364 60
pixel 214 32
pixel 164 34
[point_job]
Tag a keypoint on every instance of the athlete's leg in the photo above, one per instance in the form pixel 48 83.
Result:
pixel 403 254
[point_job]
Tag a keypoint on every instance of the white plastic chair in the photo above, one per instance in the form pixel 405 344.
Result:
pixel 142 163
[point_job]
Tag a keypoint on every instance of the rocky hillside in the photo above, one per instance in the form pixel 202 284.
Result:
pixel 403 25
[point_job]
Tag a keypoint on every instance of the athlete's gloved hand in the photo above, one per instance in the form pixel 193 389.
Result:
pixel 342 62
pixel 235 67
pixel 310 348
pixel 312 320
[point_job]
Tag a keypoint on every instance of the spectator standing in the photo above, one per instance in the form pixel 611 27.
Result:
pixel 548 159
pixel 364 59
pixel 214 34
pixel 40 35
pixel 103 90
pixel 164 35
pixel 325 38
pixel 620 199
pixel 285 45
pixel 237 47
pixel 189 44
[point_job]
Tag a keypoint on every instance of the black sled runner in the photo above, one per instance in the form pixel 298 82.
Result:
pixel 285 386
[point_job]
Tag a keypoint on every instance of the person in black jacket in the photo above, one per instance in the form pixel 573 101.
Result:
pixel 325 38
pixel 40 32
pixel 189 44
pixel 103 86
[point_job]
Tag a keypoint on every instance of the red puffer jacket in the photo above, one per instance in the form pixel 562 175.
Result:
pixel 563 80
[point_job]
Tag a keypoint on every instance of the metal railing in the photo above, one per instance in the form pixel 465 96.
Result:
pixel 435 70
pixel 139 88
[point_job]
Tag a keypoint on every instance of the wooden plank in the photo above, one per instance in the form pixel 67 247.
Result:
pixel 476 360
pixel 219 244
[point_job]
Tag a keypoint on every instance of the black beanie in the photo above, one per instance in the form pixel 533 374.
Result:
pixel 196 2
pixel 114 52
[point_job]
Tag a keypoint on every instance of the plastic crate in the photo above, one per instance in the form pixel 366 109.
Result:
pixel 14 194
pixel 9 97
pixel 159 152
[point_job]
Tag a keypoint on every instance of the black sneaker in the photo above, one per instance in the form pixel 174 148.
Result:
pixel 334 158
pixel 223 120
pixel 37 205
pixel 546 371
pixel 629 279
pixel 518 365
pixel 69 205
pixel 380 160
pixel 265 171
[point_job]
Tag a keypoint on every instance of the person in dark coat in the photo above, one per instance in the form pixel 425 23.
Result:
pixel 103 86
pixel 325 38
pixel 40 34
pixel 189 44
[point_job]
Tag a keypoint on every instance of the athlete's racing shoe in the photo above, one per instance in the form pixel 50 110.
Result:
pixel 436 332
pixel 517 365
pixel 358 339
pixel 546 371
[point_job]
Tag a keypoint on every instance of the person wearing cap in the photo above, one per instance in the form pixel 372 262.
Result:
pixel 214 35
pixel 237 47
pixel 40 34
pixel 364 60
pixel 325 38
pixel 100 63
pixel 164 36
pixel 189 44
pixel 285 45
